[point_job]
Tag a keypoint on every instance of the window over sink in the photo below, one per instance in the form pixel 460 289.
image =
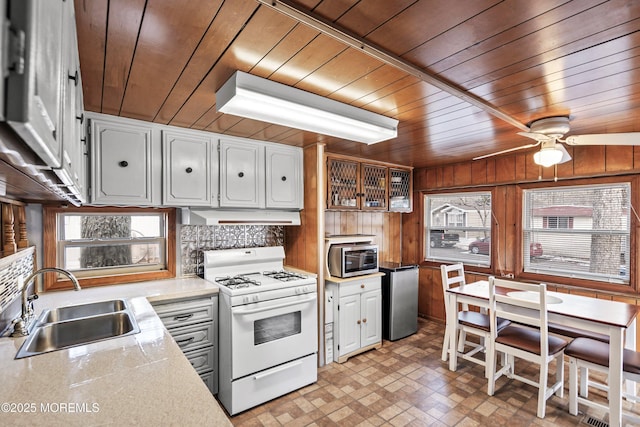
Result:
pixel 109 245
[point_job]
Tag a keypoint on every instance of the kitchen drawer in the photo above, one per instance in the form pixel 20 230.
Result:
pixel 202 360
pixel 211 381
pixel 194 337
pixel 185 313
pixel 359 286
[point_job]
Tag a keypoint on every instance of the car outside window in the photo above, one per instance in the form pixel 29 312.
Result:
pixel 458 228
pixel 583 231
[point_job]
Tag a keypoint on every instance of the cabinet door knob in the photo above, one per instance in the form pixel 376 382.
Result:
pixel 284 178
pixel 364 320
pixel 81 118
pixel 362 286
pixel 358 322
pixel 123 164
pixel 241 174
pixel 188 170
pixel 74 77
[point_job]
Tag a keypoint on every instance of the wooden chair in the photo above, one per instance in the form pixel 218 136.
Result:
pixel 469 322
pixel 530 340
pixel 585 354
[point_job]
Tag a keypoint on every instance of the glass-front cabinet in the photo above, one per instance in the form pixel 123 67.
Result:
pixel 374 187
pixel 342 190
pixel 354 185
pixel 400 189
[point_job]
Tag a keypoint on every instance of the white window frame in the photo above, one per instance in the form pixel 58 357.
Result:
pixel 528 228
pixel 463 230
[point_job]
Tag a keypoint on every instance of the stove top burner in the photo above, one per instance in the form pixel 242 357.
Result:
pixel 237 282
pixel 284 276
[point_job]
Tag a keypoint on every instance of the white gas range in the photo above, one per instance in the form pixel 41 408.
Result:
pixel 268 332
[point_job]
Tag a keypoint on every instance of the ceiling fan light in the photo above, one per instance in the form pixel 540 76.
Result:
pixel 548 156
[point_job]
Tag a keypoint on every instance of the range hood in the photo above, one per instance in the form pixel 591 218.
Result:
pixel 191 216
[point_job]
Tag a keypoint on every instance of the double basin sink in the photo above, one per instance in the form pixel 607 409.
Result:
pixel 75 325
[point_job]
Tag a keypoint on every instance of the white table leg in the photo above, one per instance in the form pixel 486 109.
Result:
pixel 630 343
pixel 615 377
pixel 452 329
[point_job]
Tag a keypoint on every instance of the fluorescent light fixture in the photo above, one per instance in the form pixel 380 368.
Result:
pixel 256 98
pixel 551 154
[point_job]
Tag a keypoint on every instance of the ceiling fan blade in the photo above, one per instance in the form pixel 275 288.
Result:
pixel 536 136
pixel 565 154
pixel 630 138
pixel 522 147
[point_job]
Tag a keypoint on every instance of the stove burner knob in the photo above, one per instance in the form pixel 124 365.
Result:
pixel 255 298
pixel 245 300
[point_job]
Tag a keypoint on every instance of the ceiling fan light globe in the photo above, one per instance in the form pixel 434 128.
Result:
pixel 548 157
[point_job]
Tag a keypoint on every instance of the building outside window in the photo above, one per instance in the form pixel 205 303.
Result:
pixel 582 231
pixel 458 227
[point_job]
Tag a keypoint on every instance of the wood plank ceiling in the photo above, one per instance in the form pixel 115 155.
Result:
pixel 163 60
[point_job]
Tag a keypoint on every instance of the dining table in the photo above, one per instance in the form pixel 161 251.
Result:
pixel 612 318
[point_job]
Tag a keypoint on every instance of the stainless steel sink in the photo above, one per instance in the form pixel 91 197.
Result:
pixel 77 311
pixel 54 336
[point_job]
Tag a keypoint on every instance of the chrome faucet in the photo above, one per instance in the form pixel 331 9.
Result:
pixel 21 327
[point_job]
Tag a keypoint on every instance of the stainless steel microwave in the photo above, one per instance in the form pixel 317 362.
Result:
pixel 348 260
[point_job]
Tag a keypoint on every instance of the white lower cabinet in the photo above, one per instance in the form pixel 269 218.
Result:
pixel 193 324
pixel 357 316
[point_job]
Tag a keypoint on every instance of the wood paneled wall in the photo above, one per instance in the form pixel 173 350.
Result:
pixel 502 174
pixel 385 226
pixel 301 243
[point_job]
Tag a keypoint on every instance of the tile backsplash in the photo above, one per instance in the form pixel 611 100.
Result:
pixel 22 264
pixel 194 239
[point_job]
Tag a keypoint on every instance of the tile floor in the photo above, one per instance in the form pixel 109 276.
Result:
pixel 405 383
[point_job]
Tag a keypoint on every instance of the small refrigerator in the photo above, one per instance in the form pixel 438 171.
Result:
pixel 399 300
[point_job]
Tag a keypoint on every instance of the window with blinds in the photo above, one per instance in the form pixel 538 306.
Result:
pixel 578 231
pixel 458 228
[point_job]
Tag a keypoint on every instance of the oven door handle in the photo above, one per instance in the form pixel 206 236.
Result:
pixel 310 298
pixel 276 370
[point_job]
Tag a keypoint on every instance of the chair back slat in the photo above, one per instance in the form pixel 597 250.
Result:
pixel 452 275
pixel 449 279
pixel 524 303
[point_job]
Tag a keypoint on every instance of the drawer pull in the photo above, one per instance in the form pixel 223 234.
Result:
pixel 182 343
pixel 183 317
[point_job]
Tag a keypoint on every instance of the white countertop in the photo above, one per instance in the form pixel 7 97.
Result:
pixel 139 379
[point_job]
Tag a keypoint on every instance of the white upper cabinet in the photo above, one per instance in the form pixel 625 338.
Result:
pixel 137 163
pixel 256 174
pixel 74 162
pixel 190 169
pixel 242 174
pixel 35 84
pixel 124 171
pixel 284 181
pixel 43 90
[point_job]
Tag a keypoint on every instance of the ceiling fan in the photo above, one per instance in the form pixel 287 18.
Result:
pixel 548 133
